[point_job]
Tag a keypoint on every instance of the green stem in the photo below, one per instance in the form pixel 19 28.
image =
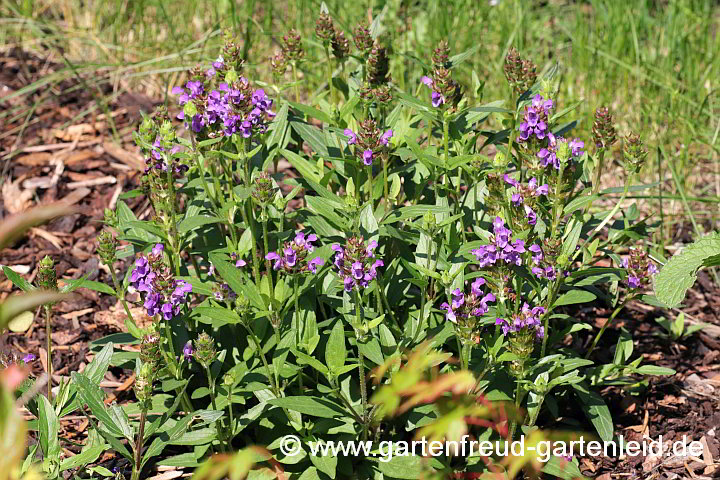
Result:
pixel 546 320
pixel 139 446
pixel 361 364
pixel 329 74
pixel 607 324
pixel 120 293
pixel 48 335
pixel 218 424
pixel 369 186
pixel 295 82
pixel 598 172
pixel 258 347
pixel 268 268
pixel 386 190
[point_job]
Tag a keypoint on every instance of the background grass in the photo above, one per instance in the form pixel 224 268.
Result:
pixel 654 63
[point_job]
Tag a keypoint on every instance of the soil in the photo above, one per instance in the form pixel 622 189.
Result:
pixel 62 154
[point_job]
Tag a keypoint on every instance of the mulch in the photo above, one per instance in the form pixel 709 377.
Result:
pixel 61 154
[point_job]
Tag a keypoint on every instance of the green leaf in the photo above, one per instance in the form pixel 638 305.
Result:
pixel 21 323
pixel 17 280
pixel 48 427
pixel 401 466
pixel 220 316
pixel 654 370
pixel 335 352
pixel 191 223
pixel 575 296
pixel 312 112
pixel 327 464
pixel 680 272
pixel 560 468
pixel 89 454
pixel 93 397
pixel 596 410
pixel 306 169
pixel 313 406
pixel 412 211
pixel 164 438
pixel 456 60
pixel 312 135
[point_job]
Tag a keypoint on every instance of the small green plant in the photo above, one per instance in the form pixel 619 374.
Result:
pixel 678 329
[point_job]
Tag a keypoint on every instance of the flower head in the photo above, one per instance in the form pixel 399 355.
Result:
pixel 501 248
pixel 640 268
pixel 292 258
pixel 164 295
pixel 354 263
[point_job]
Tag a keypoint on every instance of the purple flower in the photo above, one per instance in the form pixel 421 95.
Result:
pixel 188 350
pixel 158 249
pixel 639 268
pixel 354 263
pixel 367 157
pixel 559 150
pixel 436 98
pixel 534 122
pixel 501 247
pixel 292 258
pixel 29 357
pixel 352 138
pixel 385 139
pixel 315 263
pixel 196 88
pixel 463 308
pixel 358 272
pixel 527 320
pixel 240 263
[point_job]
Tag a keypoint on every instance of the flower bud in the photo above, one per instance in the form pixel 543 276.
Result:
pixel 292 46
pixel 563 152
pixel 107 248
pixel 46 277
pixel 635 152
pixel 144 378
pixel 429 221
pixel 603 130
pixel 519 72
pixel 205 350
pixel 243 307
pixel 110 218
pixel 362 38
pixel 324 28
pixel 150 350
pixel 229 379
pixel 500 161
pixel 263 190
pixel 378 65
pixel 440 55
pixel 278 63
pixel 340 45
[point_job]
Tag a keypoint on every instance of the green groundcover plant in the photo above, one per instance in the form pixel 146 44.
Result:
pixel 416 276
